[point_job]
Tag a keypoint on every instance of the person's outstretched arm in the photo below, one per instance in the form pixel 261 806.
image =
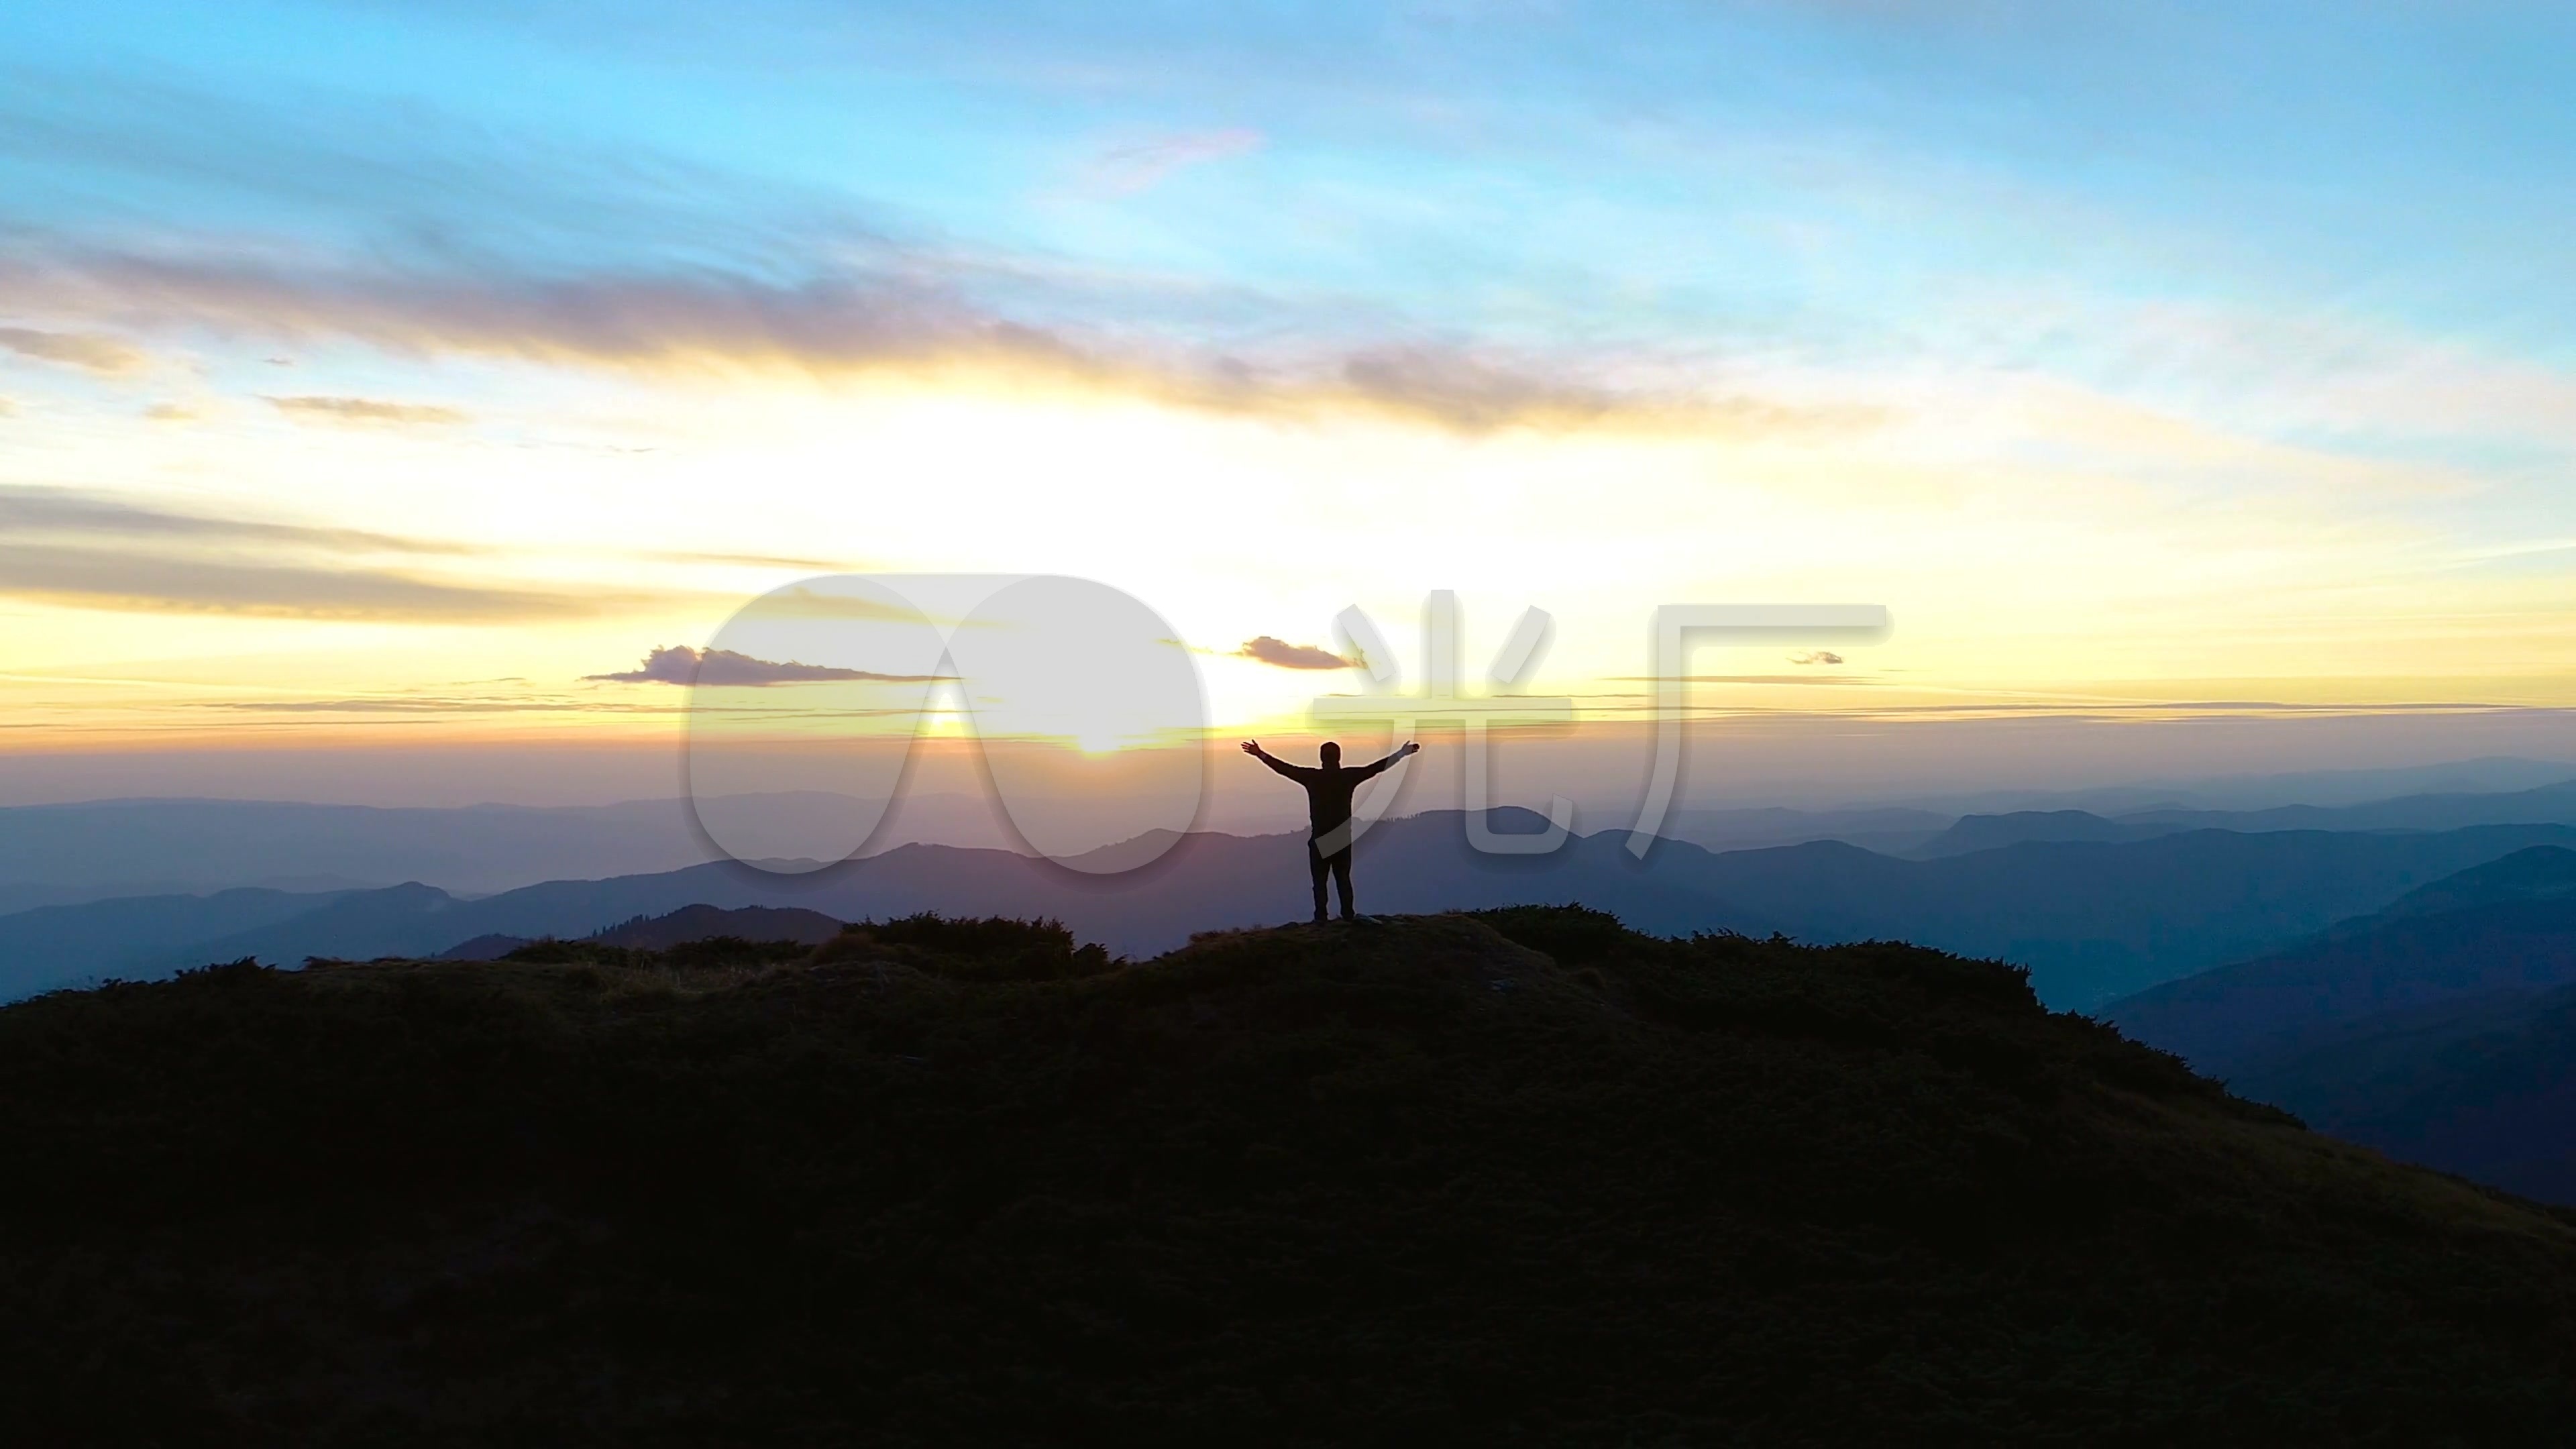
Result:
pixel 1254 749
pixel 1409 747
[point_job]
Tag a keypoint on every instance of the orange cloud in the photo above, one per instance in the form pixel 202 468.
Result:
pixel 365 410
pixel 73 349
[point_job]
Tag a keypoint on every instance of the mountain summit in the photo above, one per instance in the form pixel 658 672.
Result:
pixel 1513 1177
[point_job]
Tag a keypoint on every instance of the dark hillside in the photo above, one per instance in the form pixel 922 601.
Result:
pixel 1521 1177
pixel 699 923
pixel 678 928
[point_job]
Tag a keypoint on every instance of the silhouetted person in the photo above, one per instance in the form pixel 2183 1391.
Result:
pixel 1328 809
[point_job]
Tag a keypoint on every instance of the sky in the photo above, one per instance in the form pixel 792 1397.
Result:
pixel 387 381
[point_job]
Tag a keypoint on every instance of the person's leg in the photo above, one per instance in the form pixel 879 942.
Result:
pixel 1341 879
pixel 1315 867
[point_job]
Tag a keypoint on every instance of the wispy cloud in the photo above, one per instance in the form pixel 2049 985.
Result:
pixel 744 560
pixel 1469 390
pixel 74 349
pixel 1284 655
pixel 872 312
pixel 123 579
pixel 171 413
pixel 1801 680
pixel 1129 170
pixel 836 319
pixel 680 664
pixel 92 530
pixel 426 705
pixel 366 410
pixel 382 705
pixel 77 513
pixel 1816 656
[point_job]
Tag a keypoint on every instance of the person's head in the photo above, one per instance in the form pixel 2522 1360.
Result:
pixel 1332 754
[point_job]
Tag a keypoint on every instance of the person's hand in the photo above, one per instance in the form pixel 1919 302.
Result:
pixel 1252 747
pixel 1411 747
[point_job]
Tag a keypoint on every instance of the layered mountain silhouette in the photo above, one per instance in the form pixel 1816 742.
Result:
pixel 2092 920
pixel 2540 873
pixel 677 928
pixel 2441 1029
pixel 2484 934
pixel 2546 805
pixel 1515 1177
pixel 143 935
pixel 1971 833
pixel 98 850
pixel 2448 810
pixel 2484 1086
pixel 65 854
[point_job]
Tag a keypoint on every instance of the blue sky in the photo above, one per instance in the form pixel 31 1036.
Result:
pixel 2409 163
pixel 2116 343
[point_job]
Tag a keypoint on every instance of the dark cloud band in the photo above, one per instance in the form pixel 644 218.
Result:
pixel 680 664
pixel 1284 655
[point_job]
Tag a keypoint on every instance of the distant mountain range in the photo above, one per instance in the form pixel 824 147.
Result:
pixel 2092 919
pixel 2541 873
pixel 2489 774
pixel 2484 1086
pixel 65 854
pixel 2441 1029
pixel 1970 833
pixel 2553 804
pixel 2505 927
pixel 70 853
pixel 2139 814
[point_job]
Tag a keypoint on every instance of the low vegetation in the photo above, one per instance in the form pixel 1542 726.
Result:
pixel 1516 1177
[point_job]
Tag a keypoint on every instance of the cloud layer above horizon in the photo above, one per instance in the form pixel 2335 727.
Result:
pixel 2125 353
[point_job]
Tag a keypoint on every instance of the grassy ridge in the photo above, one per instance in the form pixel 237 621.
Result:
pixel 1523 1176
